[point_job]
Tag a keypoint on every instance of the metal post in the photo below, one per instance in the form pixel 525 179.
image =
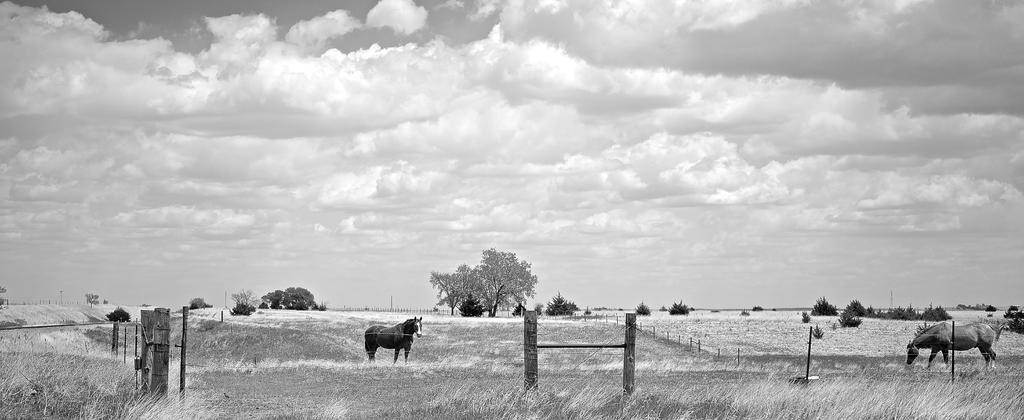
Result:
pixel 184 346
pixel 136 355
pixel 810 335
pixel 530 349
pixel 629 355
pixel 690 348
pixel 698 346
pixel 737 356
pixel 124 347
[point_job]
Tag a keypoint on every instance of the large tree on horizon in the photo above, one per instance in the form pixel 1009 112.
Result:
pixel 504 279
pixel 453 288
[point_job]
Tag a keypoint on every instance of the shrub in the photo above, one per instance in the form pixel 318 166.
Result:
pixel 757 309
pixel 805 318
pixel 679 309
pixel 1012 308
pixel 471 307
pixel 263 305
pixel 119 315
pixel 744 313
pixel 662 309
pixel 538 308
pixel 823 308
pixel 856 308
pixel 560 306
pixel 198 303
pixel 935 314
pixel 643 309
pixel 243 309
pixel 321 307
pixel 991 308
pixel 818 333
pixel 1013 313
pixel 1016 325
pixel 848 319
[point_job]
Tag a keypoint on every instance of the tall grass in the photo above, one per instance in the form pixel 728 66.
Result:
pixel 63 374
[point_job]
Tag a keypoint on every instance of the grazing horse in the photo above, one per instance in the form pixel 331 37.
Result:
pixel 397 337
pixel 937 338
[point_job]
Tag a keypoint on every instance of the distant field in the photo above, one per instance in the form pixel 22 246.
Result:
pixel 312 365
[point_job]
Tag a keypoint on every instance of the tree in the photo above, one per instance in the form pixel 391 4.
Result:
pixel 560 306
pixel 823 308
pixel 452 288
pixel 504 279
pixel 856 308
pixel 679 309
pixel 297 298
pixel 757 308
pixel 119 315
pixel 643 309
pixel 471 306
pixel 2 300
pixel 198 303
pixel 273 299
pixel 92 299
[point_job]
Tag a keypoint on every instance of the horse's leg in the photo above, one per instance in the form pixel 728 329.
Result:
pixel 371 348
pixel 931 357
pixel 397 350
pixel 407 353
pixel 945 356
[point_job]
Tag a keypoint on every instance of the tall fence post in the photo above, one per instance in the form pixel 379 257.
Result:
pixel 810 335
pixel 156 331
pixel 629 355
pixel 952 349
pixel 530 349
pixel 184 346
pixel 113 340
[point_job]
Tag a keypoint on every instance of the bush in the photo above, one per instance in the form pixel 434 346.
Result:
pixel 119 315
pixel 643 309
pixel 757 309
pixel 848 319
pixel 805 318
pixel 538 308
pixel 818 333
pixel 679 309
pixel 263 305
pixel 856 308
pixel 935 314
pixel 744 313
pixel 560 306
pixel 471 307
pixel 1012 308
pixel 1013 313
pixel 243 309
pixel 198 303
pixel 823 308
pixel 991 308
pixel 1016 325
pixel 321 307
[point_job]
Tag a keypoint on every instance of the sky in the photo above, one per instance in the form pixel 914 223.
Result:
pixel 720 153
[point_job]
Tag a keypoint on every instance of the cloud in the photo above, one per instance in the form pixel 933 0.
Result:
pixel 312 35
pixel 404 16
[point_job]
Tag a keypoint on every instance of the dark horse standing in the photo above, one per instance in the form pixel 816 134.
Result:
pixel 397 337
pixel 941 337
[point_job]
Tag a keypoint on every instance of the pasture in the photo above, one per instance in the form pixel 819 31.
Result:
pixel 281 364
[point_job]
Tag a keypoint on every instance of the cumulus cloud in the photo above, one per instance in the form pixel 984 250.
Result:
pixel 312 35
pixel 404 16
pixel 636 144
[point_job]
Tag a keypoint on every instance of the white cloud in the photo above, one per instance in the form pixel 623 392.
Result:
pixel 403 16
pixel 312 35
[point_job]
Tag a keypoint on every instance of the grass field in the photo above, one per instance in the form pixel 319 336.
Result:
pixel 281 364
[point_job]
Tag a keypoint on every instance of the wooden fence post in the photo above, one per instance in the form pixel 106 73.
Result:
pixel 952 349
pixel 530 349
pixel 629 355
pixel 184 346
pixel 810 335
pixel 156 327
pixel 113 340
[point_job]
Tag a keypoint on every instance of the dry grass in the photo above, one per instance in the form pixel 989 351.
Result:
pixel 311 365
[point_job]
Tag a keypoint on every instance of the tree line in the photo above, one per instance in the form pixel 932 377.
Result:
pixel 500 280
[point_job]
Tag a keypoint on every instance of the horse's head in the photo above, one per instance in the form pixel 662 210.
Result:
pixel 413 326
pixel 911 353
